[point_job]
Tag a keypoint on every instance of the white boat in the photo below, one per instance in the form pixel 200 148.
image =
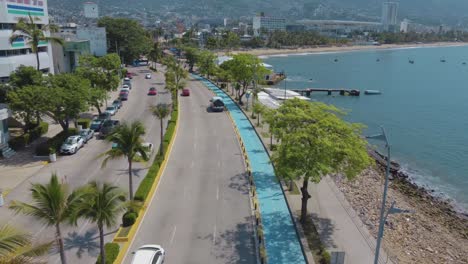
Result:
pixel 371 92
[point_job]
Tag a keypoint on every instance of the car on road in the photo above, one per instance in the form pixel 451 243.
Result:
pixel 149 254
pixel 103 116
pixel 152 91
pixel 86 134
pixel 117 103
pixel 71 145
pixel 96 125
pixel 123 96
pixel 217 104
pixel 185 92
pixel 129 75
pixel 112 110
pixel 126 86
pixel 108 127
pixel 148 76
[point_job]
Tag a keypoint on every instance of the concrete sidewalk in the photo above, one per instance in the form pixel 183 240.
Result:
pixel 339 226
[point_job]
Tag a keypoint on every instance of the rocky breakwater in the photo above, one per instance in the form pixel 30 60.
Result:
pixel 435 233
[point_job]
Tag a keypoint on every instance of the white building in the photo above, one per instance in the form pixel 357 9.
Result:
pixel 91 10
pixel 389 15
pixel 12 55
pixel 268 23
pixel 97 39
pixel 4 114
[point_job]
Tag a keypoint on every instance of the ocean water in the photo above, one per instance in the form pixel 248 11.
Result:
pixel 423 106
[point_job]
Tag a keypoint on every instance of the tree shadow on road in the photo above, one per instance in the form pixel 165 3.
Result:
pixel 239 182
pixel 236 245
pixel 325 229
pixel 88 242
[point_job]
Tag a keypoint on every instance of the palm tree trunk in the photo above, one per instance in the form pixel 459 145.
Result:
pixel 305 198
pixel 130 180
pixel 271 141
pixel 60 244
pixel 101 244
pixel 37 60
pixel 161 150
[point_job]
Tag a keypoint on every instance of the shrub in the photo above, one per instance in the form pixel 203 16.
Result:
pixel 112 251
pixel 20 142
pixel 84 122
pixel 129 218
pixel 43 149
pixel 326 258
pixel 38 131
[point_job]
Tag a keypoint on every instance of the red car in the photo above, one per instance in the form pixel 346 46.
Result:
pixel 129 75
pixel 185 92
pixel 152 91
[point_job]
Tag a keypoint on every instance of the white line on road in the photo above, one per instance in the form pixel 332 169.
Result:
pixel 219 164
pixel 192 164
pixel 217 192
pixel 214 235
pixel 217 147
pixel 173 234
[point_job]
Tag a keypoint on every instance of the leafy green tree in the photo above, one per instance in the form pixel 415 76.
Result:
pixel 259 109
pixel 161 111
pixel 230 40
pixel 27 103
pixel 191 55
pixel 244 69
pixel 175 76
pixel 126 37
pixel 102 204
pixel 212 43
pixel 66 96
pixel 16 247
pixel 33 34
pixel 129 143
pixel 314 142
pixel 103 74
pixel 155 54
pixel 206 63
pixel 25 75
pixel 52 204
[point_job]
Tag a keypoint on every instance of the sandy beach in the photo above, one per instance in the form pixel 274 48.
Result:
pixel 311 50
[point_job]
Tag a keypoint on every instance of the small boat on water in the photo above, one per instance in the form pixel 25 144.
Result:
pixel 411 61
pixel 336 60
pixel 372 92
pixel 442 60
pixel 464 63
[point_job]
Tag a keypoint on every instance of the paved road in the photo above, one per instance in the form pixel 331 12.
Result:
pixel 200 212
pixel 82 242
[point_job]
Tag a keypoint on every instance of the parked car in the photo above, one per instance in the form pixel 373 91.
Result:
pixel 112 110
pixel 96 125
pixel 127 84
pixel 129 75
pixel 86 134
pixel 107 127
pixel 127 90
pixel 152 91
pixel 148 76
pixel 217 104
pixel 71 145
pixel 123 96
pixel 149 254
pixel 103 116
pixel 185 92
pixel 117 103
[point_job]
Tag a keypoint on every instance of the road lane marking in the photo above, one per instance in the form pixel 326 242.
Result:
pixel 214 235
pixel 173 235
pixel 192 164
pixel 217 147
pixel 219 164
pixel 217 192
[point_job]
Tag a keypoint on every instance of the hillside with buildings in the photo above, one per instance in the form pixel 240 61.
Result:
pixel 450 12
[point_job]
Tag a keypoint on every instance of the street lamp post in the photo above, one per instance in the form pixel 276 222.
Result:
pixel 392 209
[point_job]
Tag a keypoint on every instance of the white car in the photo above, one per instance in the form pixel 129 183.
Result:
pixel 71 145
pixel 125 89
pixel 125 86
pixel 149 254
pixel 148 76
pixel 112 110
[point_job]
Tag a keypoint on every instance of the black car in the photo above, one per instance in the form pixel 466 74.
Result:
pixel 117 103
pixel 104 116
pixel 107 127
pixel 123 96
pixel 96 125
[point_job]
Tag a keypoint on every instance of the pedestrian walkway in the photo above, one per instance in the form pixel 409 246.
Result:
pixel 281 240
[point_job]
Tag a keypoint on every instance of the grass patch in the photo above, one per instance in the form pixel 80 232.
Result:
pixel 112 251
pixel 315 244
pixel 124 231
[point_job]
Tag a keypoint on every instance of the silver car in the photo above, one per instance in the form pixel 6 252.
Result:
pixel 71 145
pixel 86 134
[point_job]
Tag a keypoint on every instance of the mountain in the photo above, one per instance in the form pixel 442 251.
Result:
pixel 452 12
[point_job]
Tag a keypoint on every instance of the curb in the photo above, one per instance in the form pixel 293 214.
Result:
pixel 130 236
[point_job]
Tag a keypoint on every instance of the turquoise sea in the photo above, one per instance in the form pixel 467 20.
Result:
pixel 423 106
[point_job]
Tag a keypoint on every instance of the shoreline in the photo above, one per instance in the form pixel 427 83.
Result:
pixel 267 52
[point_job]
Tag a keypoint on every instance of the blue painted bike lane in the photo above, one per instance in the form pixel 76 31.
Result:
pixel 281 241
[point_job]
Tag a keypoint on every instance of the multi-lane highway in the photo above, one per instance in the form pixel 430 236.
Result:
pixel 201 212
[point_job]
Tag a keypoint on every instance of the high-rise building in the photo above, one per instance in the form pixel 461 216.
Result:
pixel 19 52
pixel 262 22
pixel 389 15
pixel 91 10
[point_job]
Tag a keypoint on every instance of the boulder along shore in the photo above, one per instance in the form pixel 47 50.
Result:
pixel 434 233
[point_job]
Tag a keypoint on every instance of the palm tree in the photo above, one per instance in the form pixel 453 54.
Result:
pixel 128 141
pixel 53 204
pixel 102 205
pixel 16 247
pixel 155 54
pixel 29 31
pixel 161 111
